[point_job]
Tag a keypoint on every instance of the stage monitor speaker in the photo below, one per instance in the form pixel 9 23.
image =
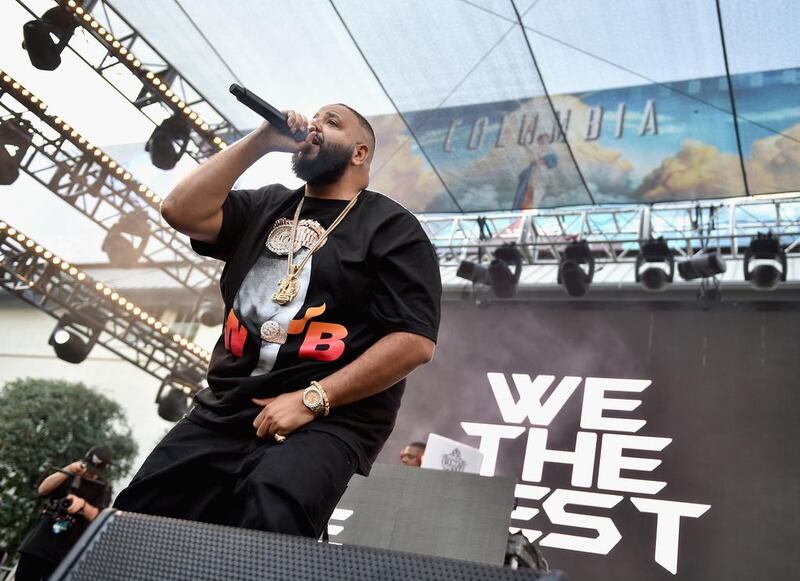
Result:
pixel 429 512
pixel 124 546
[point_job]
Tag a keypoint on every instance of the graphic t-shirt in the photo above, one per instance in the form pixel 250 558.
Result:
pixel 377 273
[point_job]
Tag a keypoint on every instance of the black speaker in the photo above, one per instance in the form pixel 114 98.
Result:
pixel 126 546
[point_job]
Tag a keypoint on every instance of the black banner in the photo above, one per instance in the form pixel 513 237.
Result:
pixel 648 442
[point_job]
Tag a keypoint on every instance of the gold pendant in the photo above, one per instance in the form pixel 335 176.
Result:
pixel 287 290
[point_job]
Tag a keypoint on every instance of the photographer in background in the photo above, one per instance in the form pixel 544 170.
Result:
pixel 75 496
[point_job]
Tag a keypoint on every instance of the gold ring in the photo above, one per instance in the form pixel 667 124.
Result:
pixel 280 439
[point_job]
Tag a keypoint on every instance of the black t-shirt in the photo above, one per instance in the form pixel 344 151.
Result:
pixel 376 273
pixel 41 541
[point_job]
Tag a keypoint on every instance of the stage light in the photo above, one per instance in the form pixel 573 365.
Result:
pixel 168 142
pixel 68 344
pixel 173 404
pixel 770 268
pixel 702 265
pixel 126 240
pixel 655 265
pixel 576 270
pixel 14 144
pixel 498 274
pixel 211 310
pixel 172 397
pixel 501 279
pixel 473 271
pixel 43 51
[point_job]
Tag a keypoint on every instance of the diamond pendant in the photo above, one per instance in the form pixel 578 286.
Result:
pixel 287 289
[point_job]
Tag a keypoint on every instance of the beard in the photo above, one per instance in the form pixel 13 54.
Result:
pixel 327 167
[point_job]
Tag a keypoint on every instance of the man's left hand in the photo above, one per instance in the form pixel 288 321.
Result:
pixel 281 415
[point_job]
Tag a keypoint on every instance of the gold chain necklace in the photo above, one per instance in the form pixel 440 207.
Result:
pixel 289 286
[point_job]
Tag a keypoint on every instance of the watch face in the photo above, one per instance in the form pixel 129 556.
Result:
pixel 312 398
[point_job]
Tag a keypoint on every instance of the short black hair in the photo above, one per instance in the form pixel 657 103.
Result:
pixel 420 445
pixel 362 121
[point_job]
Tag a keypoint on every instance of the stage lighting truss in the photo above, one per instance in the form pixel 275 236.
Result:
pixel 158 82
pixel 92 182
pixel 615 235
pixel 38 276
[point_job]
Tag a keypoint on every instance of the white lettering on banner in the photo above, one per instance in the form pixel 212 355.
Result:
pixel 339 514
pixel 594 402
pixel 649 121
pixel 607 534
pixel 611 456
pixel 668 524
pixel 612 462
pixel 581 459
pixel 529 492
pixel 530 397
pixel 478 133
pixel 594 124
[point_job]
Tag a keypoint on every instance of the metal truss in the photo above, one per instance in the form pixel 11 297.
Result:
pixel 141 74
pixel 37 276
pixel 92 183
pixel 615 233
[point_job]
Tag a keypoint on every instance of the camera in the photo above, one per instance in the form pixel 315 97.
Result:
pixel 58 507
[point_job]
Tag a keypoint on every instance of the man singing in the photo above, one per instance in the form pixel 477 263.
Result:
pixel 331 298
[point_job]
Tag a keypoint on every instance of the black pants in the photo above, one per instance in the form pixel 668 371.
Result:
pixel 33 568
pixel 201 474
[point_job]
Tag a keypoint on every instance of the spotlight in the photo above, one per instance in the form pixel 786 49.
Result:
pixel 766 250
pixel 497 275
pixel 173 404
pixel 43 51
pixel 168 142
pixel 703 265
pixel 14 144
pixel 502 281
pixel 473 272
pixel 655 265
pixel 68 344
pixel 126 240
pixel 571 272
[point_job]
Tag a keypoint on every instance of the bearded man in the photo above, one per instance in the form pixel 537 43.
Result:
pixel 331 296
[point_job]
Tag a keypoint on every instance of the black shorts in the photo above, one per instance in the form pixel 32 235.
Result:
pixel 199 473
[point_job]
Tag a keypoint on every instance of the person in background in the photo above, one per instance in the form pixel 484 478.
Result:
pixel 411 455
pixel 75 496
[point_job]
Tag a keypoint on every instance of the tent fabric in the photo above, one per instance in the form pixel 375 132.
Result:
pixel 501 105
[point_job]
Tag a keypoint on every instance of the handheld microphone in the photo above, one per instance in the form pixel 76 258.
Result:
pixel 265 110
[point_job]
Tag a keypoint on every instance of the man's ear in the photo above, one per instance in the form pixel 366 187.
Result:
pixel 360 154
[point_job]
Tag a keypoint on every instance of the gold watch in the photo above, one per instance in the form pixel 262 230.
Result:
pixel 315 399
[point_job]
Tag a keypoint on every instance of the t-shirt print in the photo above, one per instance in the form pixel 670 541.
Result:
pixel 261 315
